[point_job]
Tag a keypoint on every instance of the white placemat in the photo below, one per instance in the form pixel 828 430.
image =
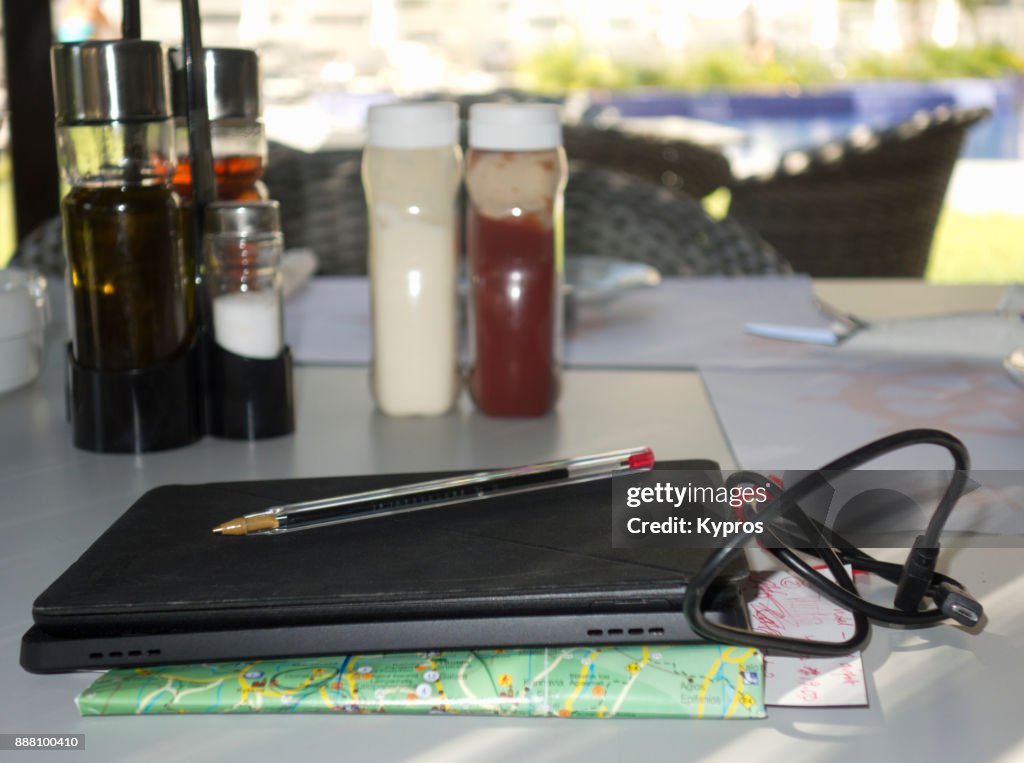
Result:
pixel 680 324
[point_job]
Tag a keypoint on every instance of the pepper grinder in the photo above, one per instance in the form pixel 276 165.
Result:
pixel 133 360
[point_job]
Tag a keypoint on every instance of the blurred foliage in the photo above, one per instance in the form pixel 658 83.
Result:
pixel 734 68
pixel 716 203
pixel 927 62
pixel 570 67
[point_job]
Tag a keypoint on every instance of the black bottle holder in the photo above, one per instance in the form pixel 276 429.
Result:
pixel 135 411
pixel 248 398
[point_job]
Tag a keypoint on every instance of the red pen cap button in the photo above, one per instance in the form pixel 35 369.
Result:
pixel 643 460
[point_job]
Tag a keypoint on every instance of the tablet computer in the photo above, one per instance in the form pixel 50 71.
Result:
pixel 536 569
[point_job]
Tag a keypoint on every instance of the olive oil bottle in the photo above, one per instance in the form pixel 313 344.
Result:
pixel 131 282
pixel 132 290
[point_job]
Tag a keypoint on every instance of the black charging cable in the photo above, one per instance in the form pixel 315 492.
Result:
pixel 916 579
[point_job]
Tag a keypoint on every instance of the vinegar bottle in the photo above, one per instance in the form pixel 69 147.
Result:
pixel 237 135
pixel 515 178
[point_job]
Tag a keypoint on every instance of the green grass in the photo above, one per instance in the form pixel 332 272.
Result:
pixel 972 248
pixel 7 240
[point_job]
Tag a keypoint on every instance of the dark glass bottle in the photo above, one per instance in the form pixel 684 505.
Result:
pixel 132 296
pixel 131 301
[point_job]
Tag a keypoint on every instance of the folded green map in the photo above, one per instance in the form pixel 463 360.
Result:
pixel 671 681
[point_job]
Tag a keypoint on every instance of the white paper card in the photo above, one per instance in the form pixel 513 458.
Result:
pixel 787 606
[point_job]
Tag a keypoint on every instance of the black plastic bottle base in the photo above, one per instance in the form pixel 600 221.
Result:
pixel 136 411
pixel 249 398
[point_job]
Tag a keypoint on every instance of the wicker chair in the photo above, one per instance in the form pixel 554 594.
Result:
pixel 675 164
pixel 615 214
pixel 606 213
pixel 322 205
pixel 864 207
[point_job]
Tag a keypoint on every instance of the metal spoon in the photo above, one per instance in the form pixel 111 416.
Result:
pixel 1014 365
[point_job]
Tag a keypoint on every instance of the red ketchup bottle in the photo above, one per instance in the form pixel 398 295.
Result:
pixel 515 176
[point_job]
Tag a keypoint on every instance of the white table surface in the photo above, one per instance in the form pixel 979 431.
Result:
pixel 940 694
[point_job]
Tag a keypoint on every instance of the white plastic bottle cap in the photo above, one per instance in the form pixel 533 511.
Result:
pixel 413 125
pixel 515 126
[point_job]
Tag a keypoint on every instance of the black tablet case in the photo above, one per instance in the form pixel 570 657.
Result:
pixel 532 569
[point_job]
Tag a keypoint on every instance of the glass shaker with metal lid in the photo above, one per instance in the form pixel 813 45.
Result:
pixel 132 291
pixel 250 368
pixel 235 109
pixel 242 254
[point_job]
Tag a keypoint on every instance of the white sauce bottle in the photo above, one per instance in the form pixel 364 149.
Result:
pixel 412 168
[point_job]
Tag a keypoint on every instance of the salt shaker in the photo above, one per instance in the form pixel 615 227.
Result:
pixel 411 172
pixel 243 248
pixel 250 376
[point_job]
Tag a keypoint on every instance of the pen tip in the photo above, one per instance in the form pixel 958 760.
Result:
pixel 254 523
pixel 231 527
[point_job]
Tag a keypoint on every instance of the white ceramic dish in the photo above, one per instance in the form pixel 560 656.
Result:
pixel 1014 365
pixel 23 315
pixel 591 280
